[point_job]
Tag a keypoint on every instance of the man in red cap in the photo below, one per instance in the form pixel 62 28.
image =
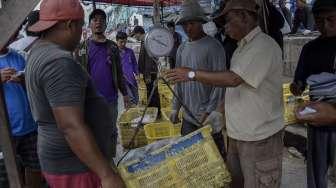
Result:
pixel 74 132
pixel 253 99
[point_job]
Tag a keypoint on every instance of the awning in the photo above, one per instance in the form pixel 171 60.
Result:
pixel 139 2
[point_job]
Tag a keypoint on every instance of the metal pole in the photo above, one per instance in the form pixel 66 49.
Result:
pixel 14 177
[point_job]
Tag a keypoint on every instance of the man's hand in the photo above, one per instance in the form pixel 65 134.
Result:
pixel 325 115
pixel 295 88
pixel 174 116
pixel 178 75
pixel 204 117
pixel 113 181
pixel 6 74
pixel 127 102
pixel 216 120
pixel 19 78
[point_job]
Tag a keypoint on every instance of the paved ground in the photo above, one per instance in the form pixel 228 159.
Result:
pixel 294 172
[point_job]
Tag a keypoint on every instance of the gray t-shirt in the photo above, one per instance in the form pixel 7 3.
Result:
pixel 55 79
pixel 204 54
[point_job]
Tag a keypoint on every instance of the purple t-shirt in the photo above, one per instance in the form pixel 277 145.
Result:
pixel 129 65
pixel 101 71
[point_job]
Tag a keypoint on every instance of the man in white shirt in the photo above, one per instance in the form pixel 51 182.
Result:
pixel 253 100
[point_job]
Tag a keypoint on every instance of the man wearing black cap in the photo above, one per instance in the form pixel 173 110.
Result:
pixel 316 57
pixel 148 68
pixel 100 57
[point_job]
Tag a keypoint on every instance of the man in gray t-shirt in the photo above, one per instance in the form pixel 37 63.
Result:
pixel 75 138
pixel 56 80
pixel 199 52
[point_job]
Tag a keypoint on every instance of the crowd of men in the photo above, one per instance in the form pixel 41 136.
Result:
pixel 63 109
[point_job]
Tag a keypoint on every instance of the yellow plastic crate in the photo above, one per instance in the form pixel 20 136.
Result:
pixel 192 161
pixel 127 128
pixel 166 96
pixel 165 112
pixel 162 130
pixel 291 103
pixel 142 96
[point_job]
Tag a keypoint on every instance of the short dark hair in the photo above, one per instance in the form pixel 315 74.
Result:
pixel 32 18
pixel 97 12
pixel 121 35
pixel 138 29
pixel 170 24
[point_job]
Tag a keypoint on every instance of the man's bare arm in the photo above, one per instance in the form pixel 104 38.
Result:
pixel 70 121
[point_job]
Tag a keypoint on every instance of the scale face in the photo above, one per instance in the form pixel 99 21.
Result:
pixel 159 42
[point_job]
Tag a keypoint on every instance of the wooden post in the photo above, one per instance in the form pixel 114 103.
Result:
pixel 12 14
pixel 14 177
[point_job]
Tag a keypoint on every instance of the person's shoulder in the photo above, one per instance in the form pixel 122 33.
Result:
pixel 63 66
pixel 316 43
pixel 215 41
pixel 265 43
pixel 111 43
pixel 14 53
pixel 214 44
pixel 266 40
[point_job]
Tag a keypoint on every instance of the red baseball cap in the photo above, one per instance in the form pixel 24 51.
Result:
pixel 53 11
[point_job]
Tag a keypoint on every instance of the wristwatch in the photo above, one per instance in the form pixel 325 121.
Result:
pixel 192 75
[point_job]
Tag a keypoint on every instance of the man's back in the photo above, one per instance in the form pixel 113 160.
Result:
pixel 53 80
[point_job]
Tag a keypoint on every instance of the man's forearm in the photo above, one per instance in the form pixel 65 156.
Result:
pixel 221 107
pixel 81 140
pixel 221 79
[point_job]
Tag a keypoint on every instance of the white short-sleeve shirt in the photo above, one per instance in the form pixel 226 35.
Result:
pixel 254 109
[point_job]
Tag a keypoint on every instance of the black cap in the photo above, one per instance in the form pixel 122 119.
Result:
pixel 138 29
pixel 170 24
pixel 97 12
pixel 121 35
pixel 323 5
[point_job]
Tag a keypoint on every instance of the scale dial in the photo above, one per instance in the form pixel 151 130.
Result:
pixel 159 42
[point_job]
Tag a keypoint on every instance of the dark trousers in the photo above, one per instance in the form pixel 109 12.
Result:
pixel 155 101
pixel 320 156
pixel 188 127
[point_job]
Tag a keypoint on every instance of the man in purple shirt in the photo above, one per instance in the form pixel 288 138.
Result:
pixel 129 66
pixel 101 58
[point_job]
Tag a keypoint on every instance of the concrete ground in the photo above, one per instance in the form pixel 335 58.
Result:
pixel 294 167
pixel 294 172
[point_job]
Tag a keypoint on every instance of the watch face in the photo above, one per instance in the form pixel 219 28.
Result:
pixel 191 74
pixel 159 42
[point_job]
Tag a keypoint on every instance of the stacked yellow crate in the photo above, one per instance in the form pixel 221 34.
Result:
pixel 127 126
pixel 192 161
pixel 142 91
pixel 291 103
pixel 166 96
